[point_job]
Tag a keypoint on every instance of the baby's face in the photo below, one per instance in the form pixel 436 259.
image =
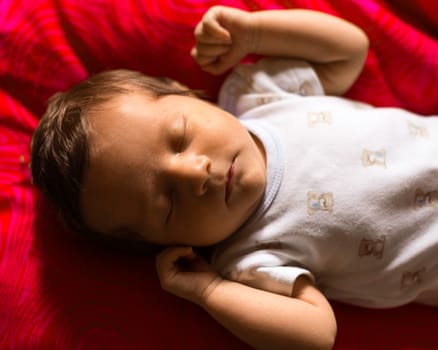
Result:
pixel 170 170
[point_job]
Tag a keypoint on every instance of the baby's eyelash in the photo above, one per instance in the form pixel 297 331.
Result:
pixel 183 137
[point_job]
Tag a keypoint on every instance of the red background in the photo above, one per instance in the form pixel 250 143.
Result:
pixel 59 292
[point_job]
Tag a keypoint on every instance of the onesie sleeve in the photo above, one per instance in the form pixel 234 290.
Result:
pixel 268 80
pixel 267 271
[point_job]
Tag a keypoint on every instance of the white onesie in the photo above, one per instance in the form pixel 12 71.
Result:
pixel 352 192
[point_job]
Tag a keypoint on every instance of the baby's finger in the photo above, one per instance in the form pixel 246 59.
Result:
pixel 209 33
pixel 219 66
pixel 213 69
pixel 166 260
pixel 202 60
pixel 211 50
pixel 212 22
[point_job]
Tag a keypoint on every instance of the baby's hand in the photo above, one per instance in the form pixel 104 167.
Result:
pixel 185 274
pixel 223 37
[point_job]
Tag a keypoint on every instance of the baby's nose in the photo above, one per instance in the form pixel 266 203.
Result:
pixel 192 172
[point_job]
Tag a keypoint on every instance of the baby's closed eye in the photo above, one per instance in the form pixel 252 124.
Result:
pixel 178 135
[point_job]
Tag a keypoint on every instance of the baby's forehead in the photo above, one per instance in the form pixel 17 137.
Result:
pixel 124 100
pixel 118 122
pixel 117 109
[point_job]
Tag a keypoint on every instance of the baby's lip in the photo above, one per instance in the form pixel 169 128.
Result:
pixel 229 181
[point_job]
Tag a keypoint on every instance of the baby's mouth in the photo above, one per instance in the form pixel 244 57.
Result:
pixel 229 181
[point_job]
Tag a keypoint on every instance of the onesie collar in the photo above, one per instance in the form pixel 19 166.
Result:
pixel 275 163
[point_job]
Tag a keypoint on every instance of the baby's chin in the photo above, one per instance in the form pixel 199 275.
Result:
pixel 211 239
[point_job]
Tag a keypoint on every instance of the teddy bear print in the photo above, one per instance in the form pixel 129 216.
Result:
pixel 316 118
pixel 412 278
pixel 373 247
pixel 244 84
pixel 305 89
pixel 267 98
pixel 425 199
pixel 417 131
pixel 319 202
pixel 376 157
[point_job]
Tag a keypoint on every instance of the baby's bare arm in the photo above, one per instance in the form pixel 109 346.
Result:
pixel 271 321
pixel 262 319
pixel 336 48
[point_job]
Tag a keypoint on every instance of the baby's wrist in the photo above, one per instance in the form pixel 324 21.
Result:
pixel 253 32
pixel 203 301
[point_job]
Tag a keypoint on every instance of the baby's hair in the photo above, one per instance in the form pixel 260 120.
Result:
pixel 59 147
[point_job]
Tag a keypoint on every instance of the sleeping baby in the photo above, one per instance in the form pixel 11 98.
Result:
pixel 301 195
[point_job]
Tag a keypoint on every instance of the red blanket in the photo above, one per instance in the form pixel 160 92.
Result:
pixel 59 292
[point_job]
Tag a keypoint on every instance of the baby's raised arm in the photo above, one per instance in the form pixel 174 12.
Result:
pixel 262 319
pixel 336 48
